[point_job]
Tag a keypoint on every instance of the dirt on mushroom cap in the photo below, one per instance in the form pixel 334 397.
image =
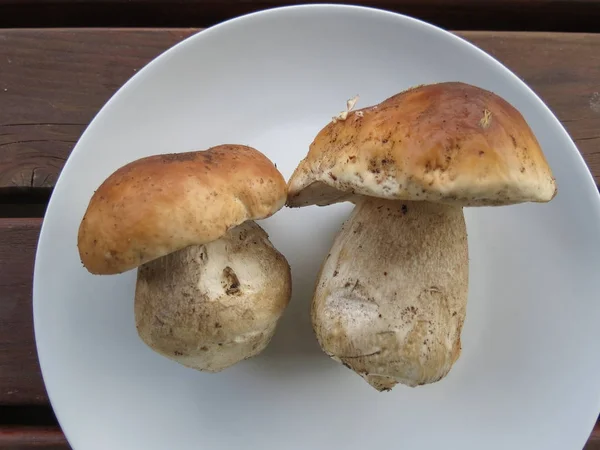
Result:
pixel 446 142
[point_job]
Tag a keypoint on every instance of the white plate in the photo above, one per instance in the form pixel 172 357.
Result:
pixel 528 376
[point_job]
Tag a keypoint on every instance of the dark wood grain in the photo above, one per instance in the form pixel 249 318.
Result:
pixel 593 442
pixel 20 379
pixel 54 81
pixel 564 69
pixel 24 438
pixel 52 84
pixel 540 15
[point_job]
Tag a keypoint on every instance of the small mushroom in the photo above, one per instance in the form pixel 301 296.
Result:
pixel 210 285
pixel 391 298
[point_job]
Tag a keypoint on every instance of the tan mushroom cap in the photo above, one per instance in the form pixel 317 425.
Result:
pixel 449 142
pixel 160 204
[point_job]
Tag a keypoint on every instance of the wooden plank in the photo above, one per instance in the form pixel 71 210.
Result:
pixel 538 15
pixel 24 438
pixel 564 70
pixel 593 442
pixel 20 378
pixel 52 85
pixel 54 81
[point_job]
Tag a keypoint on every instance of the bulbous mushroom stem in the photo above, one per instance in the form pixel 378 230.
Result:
pixel 211 306
pixel 391 296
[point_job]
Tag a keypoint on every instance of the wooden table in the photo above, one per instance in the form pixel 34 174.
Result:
pixel 54 80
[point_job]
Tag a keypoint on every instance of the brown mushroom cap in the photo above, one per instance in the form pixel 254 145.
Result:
pixel 449 142
pixel 160 204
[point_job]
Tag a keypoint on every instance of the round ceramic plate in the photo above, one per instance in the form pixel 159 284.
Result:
pixel 528 374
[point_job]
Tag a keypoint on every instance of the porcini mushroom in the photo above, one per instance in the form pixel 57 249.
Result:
pixel 391 297
pixel 210 286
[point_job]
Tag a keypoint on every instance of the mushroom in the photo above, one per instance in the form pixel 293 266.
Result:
pixel 391 297
pixel 210 287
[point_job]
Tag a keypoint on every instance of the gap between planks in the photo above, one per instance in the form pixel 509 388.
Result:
pixel 540 15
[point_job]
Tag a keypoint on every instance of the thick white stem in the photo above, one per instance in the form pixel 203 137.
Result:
pixel 211 306
pixel 391 298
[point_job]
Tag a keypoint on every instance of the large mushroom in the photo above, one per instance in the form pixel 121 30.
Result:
pixel 391 296
pixel 210 286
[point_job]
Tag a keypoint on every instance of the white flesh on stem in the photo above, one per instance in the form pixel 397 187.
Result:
pixel 211 306
pixel 391 297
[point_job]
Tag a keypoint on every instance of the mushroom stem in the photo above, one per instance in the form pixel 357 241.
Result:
pixel 211 306
pixel 391 297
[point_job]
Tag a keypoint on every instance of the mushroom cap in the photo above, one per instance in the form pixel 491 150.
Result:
pixel 160 204
pixel 448 142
